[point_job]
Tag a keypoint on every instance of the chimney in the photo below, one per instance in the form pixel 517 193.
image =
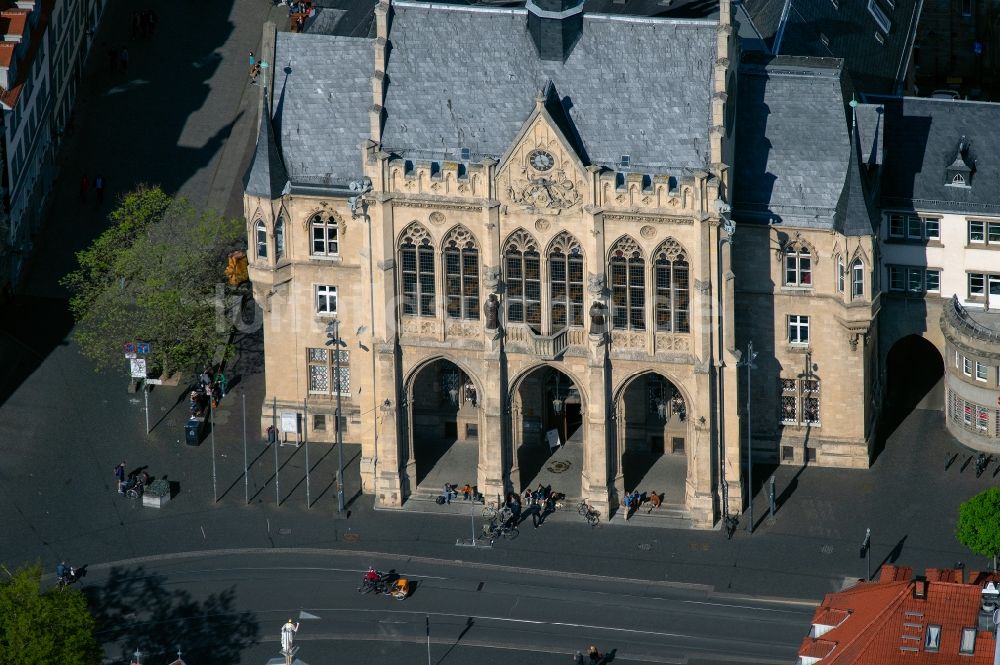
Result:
pixel 555 26
pixel 920 587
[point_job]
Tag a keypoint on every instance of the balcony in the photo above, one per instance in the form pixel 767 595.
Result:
pixel 546 347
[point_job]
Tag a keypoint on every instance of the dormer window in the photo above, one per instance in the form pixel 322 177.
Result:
pixel 958 179
pixel 959 172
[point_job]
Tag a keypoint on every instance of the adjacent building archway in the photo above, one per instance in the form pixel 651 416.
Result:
pixel 547 431
pixel 441 442
pixel 654 439
pixel 914 369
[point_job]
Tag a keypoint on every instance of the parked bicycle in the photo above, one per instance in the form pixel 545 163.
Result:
pixel 496 529
pixel 592 515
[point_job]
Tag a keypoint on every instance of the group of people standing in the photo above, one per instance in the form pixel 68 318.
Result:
pixel 98 188
pixel 207 389
pixel 539 503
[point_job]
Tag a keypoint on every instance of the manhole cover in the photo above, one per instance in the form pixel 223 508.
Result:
pixel 826 549
pixel 645 547
pixel 352 537
pixel 559 466
pixel 284 532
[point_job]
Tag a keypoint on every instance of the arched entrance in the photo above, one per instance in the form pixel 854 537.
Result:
pixel 654 438
pixel 547 428
pixel 914 369
pixel 443 421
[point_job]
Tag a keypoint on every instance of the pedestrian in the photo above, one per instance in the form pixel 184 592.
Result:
pixel 61 570
pixel 515 507
pixel 84 188
pixel 594 655
pixel 535 510
pixel 578 659
pixel 120 475
pixel 467 492
pixel 447 493
pixel 123 57
pixel 113 58
pixel 220 380
pixel 253 60
pixel 254 73
pixel 206 378
pixel 99 188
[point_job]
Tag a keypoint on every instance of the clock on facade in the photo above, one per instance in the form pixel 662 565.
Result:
pixel 541 160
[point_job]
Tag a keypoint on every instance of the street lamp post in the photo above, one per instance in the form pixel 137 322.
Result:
pixel 748 363
pixel 333 338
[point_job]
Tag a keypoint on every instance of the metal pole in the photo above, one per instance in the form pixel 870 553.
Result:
pixel 211 423
pixel 305 439
pixel 145 397
pixel 246 473
pixel 274 429
pixel 749 443
pixel 340 438
pixel 772 495
pixel 428 624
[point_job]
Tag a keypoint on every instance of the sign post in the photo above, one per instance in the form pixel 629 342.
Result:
pixel 137 370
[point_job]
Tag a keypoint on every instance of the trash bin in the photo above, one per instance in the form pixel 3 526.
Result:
pixel 193 431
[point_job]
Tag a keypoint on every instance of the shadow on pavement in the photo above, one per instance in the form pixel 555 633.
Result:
pixel 134 609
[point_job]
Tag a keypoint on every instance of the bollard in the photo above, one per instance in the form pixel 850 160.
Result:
pixel 771 496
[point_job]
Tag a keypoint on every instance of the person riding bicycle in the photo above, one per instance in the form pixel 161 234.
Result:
pixel 372 575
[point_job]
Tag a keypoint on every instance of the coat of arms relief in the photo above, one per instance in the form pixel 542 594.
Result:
pixel 541 178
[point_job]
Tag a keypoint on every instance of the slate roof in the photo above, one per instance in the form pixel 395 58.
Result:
pixel 323 89
pixel 921 140
pixel 266 176
pixel 446 61
pixel 886 624
pixel 793 27
pixel 793 147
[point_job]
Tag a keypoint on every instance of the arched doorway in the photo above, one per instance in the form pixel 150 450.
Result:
pixel 653 438
pixel 547 432
pixel 914 369
pixel 443 421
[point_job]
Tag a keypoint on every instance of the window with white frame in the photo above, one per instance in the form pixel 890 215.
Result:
pixel 326 299
pixel 260 239
pixel 798 329
pixel 966 366
pixel 982 371
pixel 977 284
pixel 798 266
pixel 857 279
pixel 932 280
pixel 322 371
pixel 914 227
pixel 993 232
pixel 967 645
pixel 977 232
pixel 325 235
pixel 799 401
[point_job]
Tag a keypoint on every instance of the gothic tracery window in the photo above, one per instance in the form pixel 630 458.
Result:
pixel 798 266
pixel 416 270
pixel 566 281
pixel 523 279
pixel 628 285
pixel 461 271
pixel 673 294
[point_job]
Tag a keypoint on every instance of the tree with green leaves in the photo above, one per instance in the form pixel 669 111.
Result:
pixel 155 276
pixel 52 626
pixel 979 524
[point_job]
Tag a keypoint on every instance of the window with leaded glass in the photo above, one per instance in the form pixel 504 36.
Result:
pixel 673 296
pixel 810 401
pixel 789 401
pixel 840 274
pixel 523 279
pixel 325 235
pixel 416 271
pixel 857 279
pixel 461 264
pixel 322 372
pixel 628 285
pixel 260 238
pixel 566 281
pixel 798 266
pixel 279 238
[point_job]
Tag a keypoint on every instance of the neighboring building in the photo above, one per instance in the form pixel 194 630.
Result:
pixel 805 257
pixel 41 59
pixel 946 54
pixel 930 619
pixel 873 37
pixel 940 241
pixel 541 249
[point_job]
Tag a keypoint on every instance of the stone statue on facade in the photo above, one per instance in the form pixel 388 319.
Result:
pixel 492 309
pixel 598 319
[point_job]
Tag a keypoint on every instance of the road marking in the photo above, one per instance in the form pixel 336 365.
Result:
pixel 741 607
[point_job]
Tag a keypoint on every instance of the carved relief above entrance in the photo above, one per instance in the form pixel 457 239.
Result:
pixel 545 193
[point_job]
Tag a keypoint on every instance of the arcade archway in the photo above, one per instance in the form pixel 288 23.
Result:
pixel 654 438
pixel 547 426
pixel 914 369
pixel 443 421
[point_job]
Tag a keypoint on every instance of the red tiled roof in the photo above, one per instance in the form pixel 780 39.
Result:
pixel 887 625
pixel 9 97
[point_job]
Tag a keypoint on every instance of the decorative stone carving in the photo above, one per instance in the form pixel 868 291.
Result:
pixel 564 243
pixel 648 231
pixel 460 237
pixel 541 225
pixel 623 339
pixel 386 265
pixel 626 247
pixel 460 329
pixel 670 342
pixel 670 250
pixel 415 234
pixel 520 241
pixel 598 318
pixel 595 284
pixel 491 277
pixel 555 193
pixel 436 218
pixel 491 310
pixel 412 325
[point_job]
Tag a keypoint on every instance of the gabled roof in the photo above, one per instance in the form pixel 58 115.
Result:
pixel 921 140
pixel 266 176
pixel 845 29
pixel 466 76
pixel 795 163
pixel 323 90
pixel 886 622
